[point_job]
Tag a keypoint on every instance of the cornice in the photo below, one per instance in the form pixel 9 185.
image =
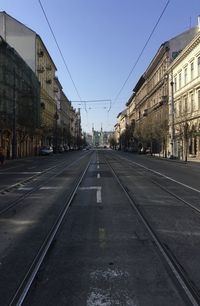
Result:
pixel 188 49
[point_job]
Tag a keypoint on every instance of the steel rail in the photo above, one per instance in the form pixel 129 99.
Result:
pixel 26 283
pixel 27 180
pixel 187 287
pixel 160 174
pixel 176 196
pixel 17 201
pixel 166 189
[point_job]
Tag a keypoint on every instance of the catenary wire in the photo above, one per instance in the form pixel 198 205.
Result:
pixel 137 60
pixel 59 49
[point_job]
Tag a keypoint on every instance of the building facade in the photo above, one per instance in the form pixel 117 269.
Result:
pixel 31 48
pixel 120 127
pixel 19 105
pixel 184 83
pixel 151 95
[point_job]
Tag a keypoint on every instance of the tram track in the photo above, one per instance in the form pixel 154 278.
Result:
pixel 13 203
pixel 26 281
pixel 167 178
pixel 180 276
pixel 38 174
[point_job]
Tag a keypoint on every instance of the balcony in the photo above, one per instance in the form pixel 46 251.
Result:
pixel 145 112
pixel 42 104
pixel 40 69
pixel 49 81
pixel 163 100
pixel 40 53
pixel 48 67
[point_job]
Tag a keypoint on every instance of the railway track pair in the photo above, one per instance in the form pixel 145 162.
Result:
pixel 186 288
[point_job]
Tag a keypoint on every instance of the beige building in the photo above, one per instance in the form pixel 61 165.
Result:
pixel 185 102
pixel 152 92
pixel 131 111
pixel 121 125
pixel 46 70
pixel 65 120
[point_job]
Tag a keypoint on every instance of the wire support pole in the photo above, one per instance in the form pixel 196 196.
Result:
pixel 14 123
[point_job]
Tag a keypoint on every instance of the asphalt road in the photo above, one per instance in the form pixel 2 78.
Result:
pixel 102 255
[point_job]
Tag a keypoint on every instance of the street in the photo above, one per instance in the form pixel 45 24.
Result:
pixel 129 235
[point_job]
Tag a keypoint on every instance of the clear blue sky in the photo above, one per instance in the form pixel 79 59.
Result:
pixel 101 41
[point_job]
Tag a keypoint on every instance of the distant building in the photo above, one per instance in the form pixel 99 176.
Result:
pixel 101 138
pixel 120 126
pixel 88 138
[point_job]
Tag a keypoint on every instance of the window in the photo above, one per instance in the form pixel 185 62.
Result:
pixel 192 71
pixel 185 76
pixel 175 84
pixel 179 80
pixel 186 104
pixel 180 107
pixel 177 108
pixel 198 65
pixel 192 103
pixel 198 99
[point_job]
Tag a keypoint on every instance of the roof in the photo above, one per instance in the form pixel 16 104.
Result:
pixel 130 99
pixel 37 35
pixel 123 113
pixel 139 83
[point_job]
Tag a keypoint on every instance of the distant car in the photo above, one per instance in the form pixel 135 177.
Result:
pixel 46 150
pixel 86 148
pixel 66 148
pixel 61 149
pixel 58 149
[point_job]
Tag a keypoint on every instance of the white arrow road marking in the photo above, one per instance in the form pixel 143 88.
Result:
pixel 97 188
pixel 98 175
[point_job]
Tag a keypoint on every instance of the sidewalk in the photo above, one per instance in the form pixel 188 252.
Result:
pixel 189 159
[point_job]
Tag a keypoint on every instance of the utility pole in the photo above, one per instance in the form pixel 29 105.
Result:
pixel 14 136
pixel 172 117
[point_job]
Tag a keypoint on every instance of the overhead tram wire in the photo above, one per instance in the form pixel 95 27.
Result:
pixel 145 45
pixel 92 101
pixel 65 64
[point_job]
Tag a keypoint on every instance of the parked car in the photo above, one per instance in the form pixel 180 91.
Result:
pixel 66 148
pixel 61 149
pixel 46 150
pixel 58 149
